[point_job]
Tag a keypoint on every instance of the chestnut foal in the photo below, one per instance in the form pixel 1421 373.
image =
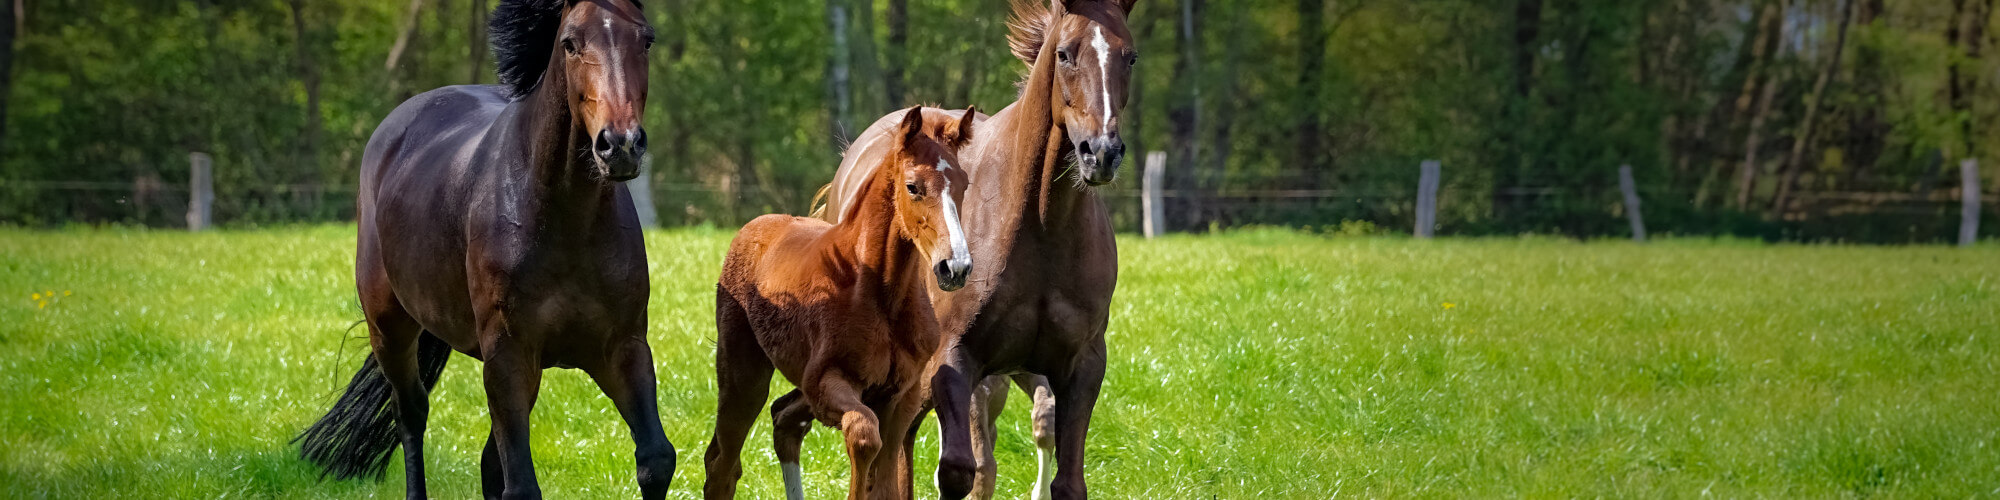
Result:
pixel 840 309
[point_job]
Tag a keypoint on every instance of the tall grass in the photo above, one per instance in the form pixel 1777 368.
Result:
pixel 1257 364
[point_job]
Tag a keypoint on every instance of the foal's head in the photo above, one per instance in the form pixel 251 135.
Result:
pixel 1094 56
pixel 925 161
pixel 601 48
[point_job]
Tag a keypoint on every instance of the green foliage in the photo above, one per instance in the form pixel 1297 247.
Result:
pixel 1249 364
pixel 114 95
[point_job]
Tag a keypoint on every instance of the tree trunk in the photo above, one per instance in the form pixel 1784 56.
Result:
pixel 1746 176
pixel 1805 133
pixel 896 57
pixel 1513 133
pixel 1768 19
pixel 838 89
pixel 1185 116
pixel 309 78
pixel 1966 34
pixel 405 38
pixel 475 35
pixel 1309 150
pixel 9 28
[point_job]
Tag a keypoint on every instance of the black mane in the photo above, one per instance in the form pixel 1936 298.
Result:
pixel 523 33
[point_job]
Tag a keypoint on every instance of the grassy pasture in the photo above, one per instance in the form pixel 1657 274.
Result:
pixel 1257 364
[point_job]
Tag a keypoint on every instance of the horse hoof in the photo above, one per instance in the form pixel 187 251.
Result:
pixel 954 478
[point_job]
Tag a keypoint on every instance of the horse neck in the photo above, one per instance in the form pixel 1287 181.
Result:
pixel 1032 146
pixel 874 242
pixel 547 133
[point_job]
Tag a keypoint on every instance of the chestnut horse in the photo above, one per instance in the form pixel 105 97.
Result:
pixel 840 310
pixel 1041 299
pixel 493 222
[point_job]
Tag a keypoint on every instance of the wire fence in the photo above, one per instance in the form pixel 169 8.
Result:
pixel 1584 207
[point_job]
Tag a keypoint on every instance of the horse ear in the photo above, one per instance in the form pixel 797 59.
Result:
pixel 1127 5
pixel 912 126
pixel 961 132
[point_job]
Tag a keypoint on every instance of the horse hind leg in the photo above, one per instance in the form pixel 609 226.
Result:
pixel 989 399
pixel 1042 421
pixel 411 361
pixel 743 381
pixel 791 419
pixel 627 378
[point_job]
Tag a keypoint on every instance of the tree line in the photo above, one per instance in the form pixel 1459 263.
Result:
pixel 1808 119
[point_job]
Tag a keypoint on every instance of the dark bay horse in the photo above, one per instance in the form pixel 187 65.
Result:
pixel 841 311
pixel 1040 300
pixel 493 223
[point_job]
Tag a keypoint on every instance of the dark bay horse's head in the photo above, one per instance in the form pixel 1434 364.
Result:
pixel 604 43
pixel 1094 56
pixel 925 160
pixel 599 49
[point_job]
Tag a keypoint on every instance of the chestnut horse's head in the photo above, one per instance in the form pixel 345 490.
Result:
pixel 925 161
pixel 1093 68
pixel 598 48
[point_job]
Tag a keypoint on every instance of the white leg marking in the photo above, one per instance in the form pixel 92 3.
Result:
pixel 1103 71
pixel 1041 473
pixel 795 488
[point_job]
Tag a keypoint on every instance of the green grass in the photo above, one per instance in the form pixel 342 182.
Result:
pixel 1257 364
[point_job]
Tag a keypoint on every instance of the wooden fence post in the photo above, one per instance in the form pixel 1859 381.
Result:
pixel 201 191
pixel 1150 200
pixel 642 193
pixel 1427 198
pixel 1631 189
pixel 1968 223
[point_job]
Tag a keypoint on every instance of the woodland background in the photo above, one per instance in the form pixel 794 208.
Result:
pixel 1842 120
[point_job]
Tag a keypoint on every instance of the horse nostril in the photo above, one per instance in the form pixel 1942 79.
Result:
pixel 639 141
pixel 1084 148
pixel 603 144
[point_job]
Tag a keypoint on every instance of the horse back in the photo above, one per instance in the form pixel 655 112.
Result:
pixel 858 162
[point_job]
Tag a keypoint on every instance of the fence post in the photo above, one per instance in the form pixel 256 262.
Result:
pixel 1631 189
pixel 642 193
pixel 1968 223
pixel 201 191
pixel 1150 200
pixel 1427 198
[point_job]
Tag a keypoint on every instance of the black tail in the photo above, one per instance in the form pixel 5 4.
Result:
pixel 357 436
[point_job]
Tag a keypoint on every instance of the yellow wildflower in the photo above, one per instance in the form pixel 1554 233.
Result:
pixel 65 293
pixel 42 305
pixel 1449 305
pixel 34 296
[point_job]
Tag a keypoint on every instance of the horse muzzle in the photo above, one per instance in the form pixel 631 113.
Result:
pixel 951 273
pixel 1098 158
pixel 619 152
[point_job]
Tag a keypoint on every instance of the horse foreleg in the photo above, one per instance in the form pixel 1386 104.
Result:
pixel 791 419
pixel 492 480
pixel 1075 397
pixel 897 419
pixel 989 399
pixel 858 424
pixel 629 381
pixel 513 379
pixel 1042 420
pixel 951 393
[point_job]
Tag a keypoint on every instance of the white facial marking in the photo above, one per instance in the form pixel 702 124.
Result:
pixel 1103 71
pixel 960 255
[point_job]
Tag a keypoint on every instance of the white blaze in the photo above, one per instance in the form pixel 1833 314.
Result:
pixel 1103 71
pixel 960 255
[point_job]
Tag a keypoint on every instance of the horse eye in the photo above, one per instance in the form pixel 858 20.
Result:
pixel 914 190
pixel 569 45
pixel 1062 55
pixel 1131 59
